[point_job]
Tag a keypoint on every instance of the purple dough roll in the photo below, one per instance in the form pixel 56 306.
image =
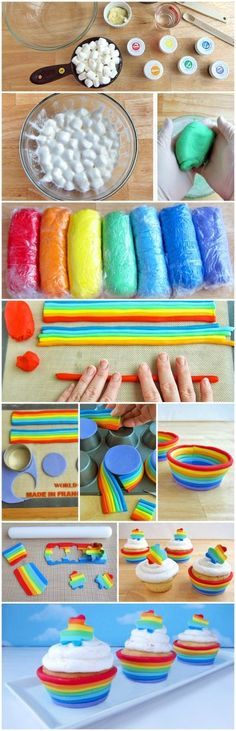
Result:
pixel 213 244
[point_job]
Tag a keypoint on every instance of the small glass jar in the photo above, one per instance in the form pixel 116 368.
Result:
pixel 167 15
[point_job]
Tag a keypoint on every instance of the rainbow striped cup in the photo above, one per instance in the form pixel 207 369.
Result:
pixel 196 652
pixel 198 467
pixel 208 584
pixel 148 668
pixel 86 689
pixel 166 440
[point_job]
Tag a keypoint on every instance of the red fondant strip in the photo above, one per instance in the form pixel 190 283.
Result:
pixel 132 378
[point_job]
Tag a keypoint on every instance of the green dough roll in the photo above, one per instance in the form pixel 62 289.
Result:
pixel 85 254
pixel 120 268
pixel 193 145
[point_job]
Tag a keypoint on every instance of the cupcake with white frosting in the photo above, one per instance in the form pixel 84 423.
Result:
pixel 197 644
pixel 157 571
pixel 147 655
pixel 136 547
pixel 211 574
pixel 77 671
pixel 179 547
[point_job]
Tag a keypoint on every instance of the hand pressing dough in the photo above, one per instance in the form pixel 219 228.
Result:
pixel 19 320
pixel 193 145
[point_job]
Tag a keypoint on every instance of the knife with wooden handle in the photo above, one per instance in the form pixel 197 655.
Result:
pixel 208 28
pixel 200 8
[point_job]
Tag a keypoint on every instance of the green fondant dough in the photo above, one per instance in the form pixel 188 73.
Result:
pixel 120 268
pixel 193 145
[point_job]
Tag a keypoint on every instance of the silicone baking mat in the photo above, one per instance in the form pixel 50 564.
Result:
pixel 41 384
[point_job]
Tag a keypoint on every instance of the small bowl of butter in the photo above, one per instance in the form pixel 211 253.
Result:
pixel 117 14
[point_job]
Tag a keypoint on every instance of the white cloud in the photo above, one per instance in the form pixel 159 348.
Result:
pixel 130 618
pixel 50 634
pixel 57 614
pixel 224 640
pixel 5 643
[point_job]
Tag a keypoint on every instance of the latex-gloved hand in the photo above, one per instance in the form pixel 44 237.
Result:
pixel 219 170
pixel 173 183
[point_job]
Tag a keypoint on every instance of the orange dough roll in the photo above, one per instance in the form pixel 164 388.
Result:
pixel 53 251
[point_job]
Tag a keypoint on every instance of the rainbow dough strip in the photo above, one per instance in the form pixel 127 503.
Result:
pixel 112 499
pixel 104 581
pixel 128 310
pixel 15 553
pixel 144 510
pixel 135 335
pixel 197 467
pixel 103 418
pixel 43 436
pixel 31 580
pixel 77 580
pixel 44 417
pixel 150 466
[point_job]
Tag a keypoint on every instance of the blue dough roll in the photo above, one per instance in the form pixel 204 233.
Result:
pixel 120 268
pixel 183 255
pixel 213 244
pixel 152 270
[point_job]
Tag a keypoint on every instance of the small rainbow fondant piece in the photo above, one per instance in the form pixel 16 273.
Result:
pixel 180 534
pixel 150 466
pixel 15 553
pixel 77 692
pixel 93 553
pixel 217 554
pixel 124 335
pixel 198 621
pixel 112 499
pixel 87 553
pixel 31 579
pixel 137 534
pixel 198 467
pixel 144 510
pixel 129 310
pixel 104 581
pixel 103 418
pixel 77 580
pixel 43 436
pixel 149 620
pixel 156 554
pixel 44 417
pixel 166 440
pixel 77 631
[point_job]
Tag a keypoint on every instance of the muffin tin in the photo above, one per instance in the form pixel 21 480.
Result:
pixel 95 447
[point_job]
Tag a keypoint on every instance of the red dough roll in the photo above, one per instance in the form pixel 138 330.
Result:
pixel 23 252
pixel 53 251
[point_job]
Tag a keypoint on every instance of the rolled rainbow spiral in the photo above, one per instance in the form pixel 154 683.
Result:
pixel 129 310
pixel 166 441
pixel 198 467
pixel 135 335
pixel 110 487
pixel 150 466
pixel 44 417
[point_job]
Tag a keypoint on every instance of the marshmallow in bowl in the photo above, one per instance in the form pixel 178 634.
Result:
pixel 77 150
pixel 96 63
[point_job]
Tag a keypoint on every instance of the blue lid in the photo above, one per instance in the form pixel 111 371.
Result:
pixel 122 460
pixel 87 428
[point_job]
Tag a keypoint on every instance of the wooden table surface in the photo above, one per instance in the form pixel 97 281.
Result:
pixel 209 106
pixel 90 508
pixel 19 61
pixel 17 186
pixel 131 589
pixel 177 503
pixel 227 208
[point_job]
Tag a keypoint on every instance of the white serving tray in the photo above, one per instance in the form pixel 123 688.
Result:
pixel 124 694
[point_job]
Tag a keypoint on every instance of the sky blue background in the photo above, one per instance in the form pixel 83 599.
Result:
pixel 39 625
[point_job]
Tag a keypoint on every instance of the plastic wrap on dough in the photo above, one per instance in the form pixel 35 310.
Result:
pixel 85 254
pixel 53 251
pixel 120 268
pixel 152 270
pixel 183 255
pixel 213 244
pixel 23 253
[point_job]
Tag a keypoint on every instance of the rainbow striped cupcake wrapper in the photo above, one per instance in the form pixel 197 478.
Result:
pixel 209 586
pixel 15 553
pixel 179 556
pixel 86 690
pixel 200 654
pixel 45 417
pixel 134 335
pixel 150 467
pixel 166 441
pixel 198 467
pixel 134 556
pixel 130 310
pixel 31 579
pixel 43 436
pixel 110 487
pixel 144 510
pixel 145 669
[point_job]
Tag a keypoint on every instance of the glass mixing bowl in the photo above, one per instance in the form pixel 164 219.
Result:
pixel 47 26
pixel 51 105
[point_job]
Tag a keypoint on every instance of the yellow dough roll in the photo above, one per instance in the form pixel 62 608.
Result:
pixel 85 253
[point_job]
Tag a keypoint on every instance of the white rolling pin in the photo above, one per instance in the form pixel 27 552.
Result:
pixel 60 531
